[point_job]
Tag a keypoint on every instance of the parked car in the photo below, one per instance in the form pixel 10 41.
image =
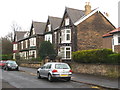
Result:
pixel 11 65
pixel 55 70
pixel 2 63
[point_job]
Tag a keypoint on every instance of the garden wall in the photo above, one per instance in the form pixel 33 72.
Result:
pixel 96 69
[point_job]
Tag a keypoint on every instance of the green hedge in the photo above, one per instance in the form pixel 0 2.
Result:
pixel 95 56
pixel 113 58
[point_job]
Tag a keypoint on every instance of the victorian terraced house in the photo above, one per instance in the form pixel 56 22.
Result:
pixel 77 30
pixel 29 42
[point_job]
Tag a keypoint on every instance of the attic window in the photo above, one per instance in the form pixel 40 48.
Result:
pixel 33 31
pixel 67 21
pixel 49 27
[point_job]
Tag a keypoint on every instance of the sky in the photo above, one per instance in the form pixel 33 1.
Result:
pixel 23 12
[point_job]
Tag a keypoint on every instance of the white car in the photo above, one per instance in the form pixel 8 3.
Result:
pixel 54 70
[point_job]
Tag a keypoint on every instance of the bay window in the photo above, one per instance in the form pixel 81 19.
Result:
pixel 48 37
pixel 66 36
pixel 65 52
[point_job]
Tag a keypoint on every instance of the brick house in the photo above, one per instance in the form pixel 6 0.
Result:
pixel 82 30
pixel 111 40
pixel 19 43
pixel 77 30
pixel 27 44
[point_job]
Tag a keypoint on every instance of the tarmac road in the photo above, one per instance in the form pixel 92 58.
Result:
pixel 26 78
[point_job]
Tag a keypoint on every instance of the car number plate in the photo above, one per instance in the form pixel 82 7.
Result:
pixel 64 75
pixel 13 67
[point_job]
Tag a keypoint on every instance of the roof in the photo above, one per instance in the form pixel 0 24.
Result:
pixel 74 14
pixel 107 35
pixel 19 35
pixel 54 21
pixel 39 27
pixel 112 32
pixel 115 31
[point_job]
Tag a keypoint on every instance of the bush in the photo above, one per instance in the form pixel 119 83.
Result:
pixel 113 58
pixel 91 56
pixel 47 49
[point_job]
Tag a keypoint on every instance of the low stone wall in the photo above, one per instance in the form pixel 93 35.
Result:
pixel 30 65
pixel 96 69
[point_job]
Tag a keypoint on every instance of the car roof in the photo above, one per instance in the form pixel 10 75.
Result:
pixel 55 63
pixel 10 61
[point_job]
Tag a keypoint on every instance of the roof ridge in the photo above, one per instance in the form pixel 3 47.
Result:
pixel 74 8
pixel 54 17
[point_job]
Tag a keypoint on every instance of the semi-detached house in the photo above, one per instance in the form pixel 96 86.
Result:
pixel 76 30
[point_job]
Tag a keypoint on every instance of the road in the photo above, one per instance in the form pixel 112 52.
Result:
pixel 26 78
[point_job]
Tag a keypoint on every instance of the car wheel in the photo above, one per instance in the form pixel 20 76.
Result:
pixel 68 79
pixel 38 75
pixel 17 69
pixel 50 78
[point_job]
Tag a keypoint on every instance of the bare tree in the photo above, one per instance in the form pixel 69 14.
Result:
pixel 15 26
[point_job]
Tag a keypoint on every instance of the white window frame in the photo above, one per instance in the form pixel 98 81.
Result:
pixel 33 31
pixel 31 53
pixel 62 52
pixel 49 27
pixel 33 41
pixel 48 37
pixel 67 21
pixel 64 36
pixel 15 46
pixel 21 44
pixel 55 33
pixel 26 42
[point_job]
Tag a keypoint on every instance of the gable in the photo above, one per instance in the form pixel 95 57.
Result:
pixel 72 14
pixel 96 22
pixel 47 28
pixel 65 17
pixel 91 14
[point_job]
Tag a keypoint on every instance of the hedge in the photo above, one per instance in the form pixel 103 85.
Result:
pixel 94 56
pixel 113 58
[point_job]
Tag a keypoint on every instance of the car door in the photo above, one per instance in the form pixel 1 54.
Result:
pixel 47 69
pixel 42 71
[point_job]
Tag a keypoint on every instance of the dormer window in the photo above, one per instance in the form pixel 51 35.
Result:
pixel 33 31
pixel 67 21
pixel 49 27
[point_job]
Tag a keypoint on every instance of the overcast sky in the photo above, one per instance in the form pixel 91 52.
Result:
pixel 24 11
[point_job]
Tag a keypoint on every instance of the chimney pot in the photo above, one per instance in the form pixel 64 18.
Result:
pixel 87 8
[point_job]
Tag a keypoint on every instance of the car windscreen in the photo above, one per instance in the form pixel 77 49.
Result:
pixel 61 66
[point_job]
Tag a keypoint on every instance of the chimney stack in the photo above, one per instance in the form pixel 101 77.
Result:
pixel 87 8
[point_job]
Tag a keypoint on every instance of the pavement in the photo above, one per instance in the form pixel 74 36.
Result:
pixel 98 81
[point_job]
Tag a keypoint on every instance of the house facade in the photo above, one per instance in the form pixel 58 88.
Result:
pixel 82 30
pixel 76 30
pixel 28 44
pixel 112 40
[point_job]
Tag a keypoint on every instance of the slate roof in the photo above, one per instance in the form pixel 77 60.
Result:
pixel 75 14
pixel 39 27
pixel 55 21
pixel 19 35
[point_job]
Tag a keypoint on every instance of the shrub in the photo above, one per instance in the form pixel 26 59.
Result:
pixel 91 56
pixel 47 49
pixel 113 58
